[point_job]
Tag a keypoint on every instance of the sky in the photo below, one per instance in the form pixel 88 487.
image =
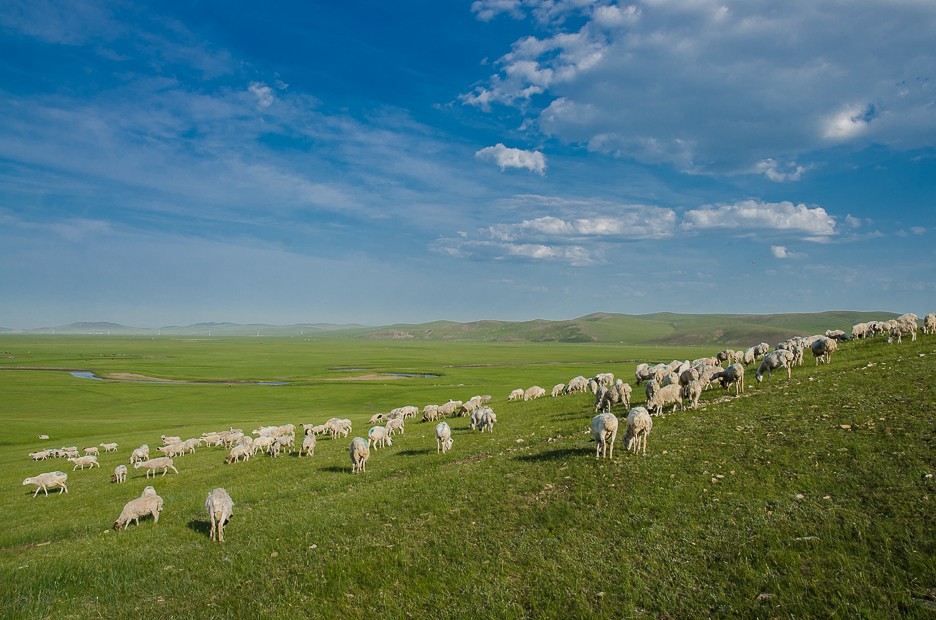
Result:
pixel 368 162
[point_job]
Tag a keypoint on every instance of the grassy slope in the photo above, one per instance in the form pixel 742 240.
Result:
pixel 497 527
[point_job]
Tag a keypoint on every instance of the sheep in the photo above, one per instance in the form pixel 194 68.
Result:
pixel 618 393
pixel 242 450
pixel 318 429
pixel 46 436
pixel 92 451
pixel 761 350
pixel 689 375
pixel 170 440
pixel 377 417
pixel 140 454
pixel 693 392
pixel 773 361
pixel 604 378
pixel 639 425
pixel 41 455
pixel 81 461
pixel 733 375
pixel 46 480
pixel 430 413
pixel 173 449
pixel 748 358
pixel 468 407
pixel 488 419
pixel 341 427
pixel 901 329
pixel 671 378
pixel 593 386
pixel 164 463
pixel 929 323
pixel 558 390
pixel 219 507
pixel 359 454
pixel 644 373
pixel 604 429
pixel 379 435
pixel 578 384
pixel 149 492
pixel 533 392
pixel 516 394
pixel 822 349
pixel 651 387
pixel 836 334
pixel 395 425
pixel 449 408
pixel 725 356
pixel 287 441
pixel 444 439
pixel 139 507
pixel 246 440
pixel 120 474
pixel 669 395
pixel 308 445
pixel 109 447
pixel 410 411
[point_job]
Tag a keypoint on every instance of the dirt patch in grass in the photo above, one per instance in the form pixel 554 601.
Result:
pixel 130 376
pixel 366 378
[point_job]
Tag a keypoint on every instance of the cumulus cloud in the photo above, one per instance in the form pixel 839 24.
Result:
pixel 780 251
pixel 534 161
pixel 917 230
pixel 263 93
pixel 773 170
pixel 750 214
pixel 639 222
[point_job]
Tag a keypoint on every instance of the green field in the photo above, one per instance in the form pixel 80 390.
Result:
pixel 807 499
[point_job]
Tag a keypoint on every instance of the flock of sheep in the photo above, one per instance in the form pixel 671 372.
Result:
pixel 664 385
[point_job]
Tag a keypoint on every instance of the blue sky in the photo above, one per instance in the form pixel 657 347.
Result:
pixel 379 162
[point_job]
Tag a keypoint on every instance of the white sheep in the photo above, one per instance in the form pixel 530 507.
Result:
pixel 443 433
pixel 693 392
pixel 476 417
pixel 620 392
pixel 774 361
pixel 120 474
pixel 430 413
pixel 169 440
pixel 377 417
pixel 287 441
pixel 395 425
pixel 578 384
pixel 929 323
pixel 308 445
pixel 149 492
pixel 533 392
pixel 822 349
pixel 488 418
pixel 46 436
pixel 46 480
pixel 604 429
pixel 220 507
pixel 109 447
pixel 263 444
pixel 558 390
pixel 669 395
pixel 725 356
pixel 41 455
pixel 516 394
pixel 164 463
pixel 650 388
pixel 639 425
pixel 733 375
pixel 81 461
pixel 92 450
pixel 449 408
pixel 140 507
pixel 237 452
pixel 140 454
pixel 379 435
pixel 359 454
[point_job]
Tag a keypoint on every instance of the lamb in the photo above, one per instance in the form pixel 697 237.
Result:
pixel 534 392
pixel 733 375
pixel 604 429
pixel 395 425
pixel 308 445
pixel 164 463
pixel 558 389
pixel 822 349
pixel 140 454
pixel 220 507
pixel 410 411
pixel 173 449
pixel 237 452
pixel 359 454
pixel 669 395
pixel 693 391
pixel 488 418
pixel 639 425
pixel 109 447
pixel 81 461
pixel 929 323
pixel 444 439
pixel 120 474
pixel 46 480
pixel 379 435
pixel 773 361
pixel 516 394
pixel 140 507
pixel 318 429
pixel 92 450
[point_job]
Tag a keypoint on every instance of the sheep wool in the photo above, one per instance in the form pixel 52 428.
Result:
pixel 140 507
pixel 46 480
pixel 220 507
pixel 604 429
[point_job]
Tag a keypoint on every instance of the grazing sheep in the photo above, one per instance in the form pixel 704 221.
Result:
pixel 748 358
pixel 929 323
pixel 220 507
pixel 578 384
pixel 639 425
pixel 692 392
pixel 669 395
pixel 901 329
pixel 516 394
pixel 444 439
pixel 643 373
pixel 558 389
pixel 476 417
pixel 359 454
pixel 262 443
pixel 449 408
pixel 773 361
pixel 593 386
pixel 46 480
pixel 822 349
pixel 164 463
pixel 670 378
pixel 287 441
pixel 120 474
pixel 308 445
pixel 109 447
pixel 318 429
pixel 604 429
pixel 92 450
pixel 148 492
pixel 650 389
pixel 488 418
pixel 46 436
pixel 605 378
pixel 377 417
pixel 725 356
pixel 379 435
pixel 620 392
pixel 81 461
pixel 237 452
pixel 733 375
pixel 140 454
pixel 534 392
pixel 169 440
pixel 140 507
pixel 689 375
pixel 761 350
pixel 468 407
pixel 41 455
pixel 430 413
pixel 395 425
pixel 836 334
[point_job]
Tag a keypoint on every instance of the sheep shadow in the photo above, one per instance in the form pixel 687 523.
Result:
pixel 413 452
pixel 199 526
pixel 334 469
pixel 552 455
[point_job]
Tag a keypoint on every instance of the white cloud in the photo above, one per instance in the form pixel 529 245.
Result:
pixel 772 170
pixel 917 230
pixel 263 93
pixel 750 214
pixel 848 123
pixel 780 251
pixel 631 222
pixel 534 161
pixel 854 222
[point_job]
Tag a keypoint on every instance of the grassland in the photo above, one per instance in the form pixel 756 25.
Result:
pixel 806 499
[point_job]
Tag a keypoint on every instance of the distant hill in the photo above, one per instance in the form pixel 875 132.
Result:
pixel 661 328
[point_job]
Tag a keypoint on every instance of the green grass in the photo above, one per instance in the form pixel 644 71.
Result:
pixel 498 527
